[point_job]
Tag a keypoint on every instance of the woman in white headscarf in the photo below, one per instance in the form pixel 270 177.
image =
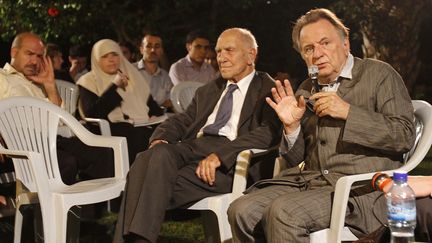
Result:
pixel 115 90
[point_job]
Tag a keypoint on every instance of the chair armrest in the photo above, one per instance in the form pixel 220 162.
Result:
pixel 118 144
pixel 240 174
pixel 340 202
pixel 103 125
pixel 38 176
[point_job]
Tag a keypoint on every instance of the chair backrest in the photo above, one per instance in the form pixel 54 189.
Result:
pixel 30 124
pixel 337 232
pixel 69 94
pixel 423 141
pixel 182 95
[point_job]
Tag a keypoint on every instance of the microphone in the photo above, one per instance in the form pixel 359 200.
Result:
pixel 313 74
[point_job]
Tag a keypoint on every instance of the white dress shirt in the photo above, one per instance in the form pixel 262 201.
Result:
pixel 239 95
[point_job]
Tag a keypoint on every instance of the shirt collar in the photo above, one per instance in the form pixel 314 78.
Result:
pixel 243 84
pixel 189 62
pixel 11 70
pixel 141 66
pixel 347 69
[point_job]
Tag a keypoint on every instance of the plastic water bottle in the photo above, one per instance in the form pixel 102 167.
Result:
pixel 401 209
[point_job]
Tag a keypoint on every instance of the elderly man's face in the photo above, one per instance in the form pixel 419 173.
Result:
pixel 321 44
pixel 27 58
pixel 235 58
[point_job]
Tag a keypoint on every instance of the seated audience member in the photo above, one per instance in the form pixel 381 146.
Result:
pixel 54 52
pixel 30 73
pixel 211 59
pixel 128 50
pixel 356 118
pixel 193 67
pixel 160 83
pixel 192 155
pixel 116 91
pixel 78 61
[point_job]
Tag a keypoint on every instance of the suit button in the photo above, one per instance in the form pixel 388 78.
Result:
pixel 325 172
pixel 323 142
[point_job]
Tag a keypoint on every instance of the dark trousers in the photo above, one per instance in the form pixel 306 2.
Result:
pixel 162 178
pixel 423 231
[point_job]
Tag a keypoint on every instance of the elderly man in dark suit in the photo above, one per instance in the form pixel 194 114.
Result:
pixel 192 155
pixel 356 118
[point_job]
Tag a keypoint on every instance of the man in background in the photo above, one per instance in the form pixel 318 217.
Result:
pixel 193 67
pixel 160 83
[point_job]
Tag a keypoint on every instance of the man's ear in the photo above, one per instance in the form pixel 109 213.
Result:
pixel 13 52
pixel 346 45
pixel 188 46
pixel 252 53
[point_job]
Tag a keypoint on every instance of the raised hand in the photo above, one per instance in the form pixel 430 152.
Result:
pixel 121 80
pixel 45 76
pixel 330 104
pixel 289 110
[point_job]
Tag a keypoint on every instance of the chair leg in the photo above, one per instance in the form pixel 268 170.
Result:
pixel 18 226
pixel 224 227
pixel 73 224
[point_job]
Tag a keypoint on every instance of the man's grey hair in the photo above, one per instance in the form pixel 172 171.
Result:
pixel 314 16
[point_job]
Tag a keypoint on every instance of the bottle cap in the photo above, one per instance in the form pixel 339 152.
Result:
pixel 400 176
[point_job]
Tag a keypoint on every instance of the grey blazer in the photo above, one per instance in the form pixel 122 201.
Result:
pixel 378 130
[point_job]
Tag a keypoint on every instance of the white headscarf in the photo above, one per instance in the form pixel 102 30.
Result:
pixel 135 95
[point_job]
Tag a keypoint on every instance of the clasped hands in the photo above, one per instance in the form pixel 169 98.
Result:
pixel 290 111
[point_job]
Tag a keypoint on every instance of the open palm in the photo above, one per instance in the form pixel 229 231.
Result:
pixel 289 110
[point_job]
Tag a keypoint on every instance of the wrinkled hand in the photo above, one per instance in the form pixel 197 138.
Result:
pixel 157 141
pixel 46 73
pixel 206 169
pixel 330 104
pixel 286 106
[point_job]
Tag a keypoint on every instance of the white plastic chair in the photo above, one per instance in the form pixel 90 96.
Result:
pixel 337 232
pixel 69 94
pixel 29 129
pixel 182 95
pixel 218 205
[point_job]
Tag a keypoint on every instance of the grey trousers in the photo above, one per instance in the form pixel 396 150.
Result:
pixel 286 213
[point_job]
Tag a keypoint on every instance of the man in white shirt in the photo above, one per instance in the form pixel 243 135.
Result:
pixel 193 67
pixel 29 73
pixel 160 83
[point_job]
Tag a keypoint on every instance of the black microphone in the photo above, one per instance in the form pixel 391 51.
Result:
pixel 313 74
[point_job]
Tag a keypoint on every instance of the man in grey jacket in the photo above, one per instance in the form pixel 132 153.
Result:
pixel 356 118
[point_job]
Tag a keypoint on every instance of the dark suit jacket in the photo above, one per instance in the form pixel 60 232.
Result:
pixel 259 126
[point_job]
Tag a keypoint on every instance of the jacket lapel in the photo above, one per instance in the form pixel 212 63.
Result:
pixel 347 84
pixel 250 100
pixel 211 98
